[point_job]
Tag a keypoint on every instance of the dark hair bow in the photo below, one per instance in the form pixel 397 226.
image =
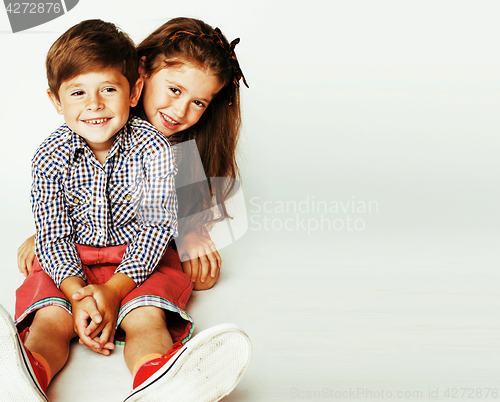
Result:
pixel 229 49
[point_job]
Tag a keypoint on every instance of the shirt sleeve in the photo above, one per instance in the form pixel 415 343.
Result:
pixel 157 217
pixel 54 246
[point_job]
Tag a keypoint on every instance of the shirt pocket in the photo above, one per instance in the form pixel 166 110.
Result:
pixel 125 202
pixel 79 202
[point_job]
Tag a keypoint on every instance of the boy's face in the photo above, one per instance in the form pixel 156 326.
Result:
pixel 96 105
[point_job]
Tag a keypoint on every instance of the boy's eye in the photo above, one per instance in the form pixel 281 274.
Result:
pixel 77 93
pixel 109 89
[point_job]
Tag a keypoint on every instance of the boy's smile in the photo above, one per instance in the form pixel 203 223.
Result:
pixel 96 106
pixel 175 98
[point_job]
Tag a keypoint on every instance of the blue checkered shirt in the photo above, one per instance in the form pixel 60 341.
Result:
pixel 130 200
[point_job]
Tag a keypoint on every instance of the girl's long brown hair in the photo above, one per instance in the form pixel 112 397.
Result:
pixel 217 131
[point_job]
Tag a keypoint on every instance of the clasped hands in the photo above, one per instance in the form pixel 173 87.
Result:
pixel 95 309
pixel 95 312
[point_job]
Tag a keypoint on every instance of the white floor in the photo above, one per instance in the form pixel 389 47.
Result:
pixel 338 315
pixel 393 101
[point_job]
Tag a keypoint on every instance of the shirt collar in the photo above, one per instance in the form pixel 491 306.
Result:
pixel 125 137
pixel 124 140
pixel 78 145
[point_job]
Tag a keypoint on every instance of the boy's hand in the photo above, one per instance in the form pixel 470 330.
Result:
pixel 199 256
pixel 26 255
pixel 108 298
pixel 108 304
pixel 83 310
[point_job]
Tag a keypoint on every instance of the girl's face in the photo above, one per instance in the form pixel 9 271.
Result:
pixel 174 98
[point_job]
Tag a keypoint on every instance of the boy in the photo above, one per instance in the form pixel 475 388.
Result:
pixel 105 210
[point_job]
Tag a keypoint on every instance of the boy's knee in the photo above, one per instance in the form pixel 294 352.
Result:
pixel 143 318
pixel 54 317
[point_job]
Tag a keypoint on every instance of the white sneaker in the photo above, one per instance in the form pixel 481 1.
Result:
pixel 20 374
pixel 205 369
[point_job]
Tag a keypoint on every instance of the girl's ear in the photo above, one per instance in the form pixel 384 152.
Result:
pixel 135 92
pixel 55 101
pixel 142 70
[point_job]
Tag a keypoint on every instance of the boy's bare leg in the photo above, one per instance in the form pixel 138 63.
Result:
pixel 50 335
pixel 146 333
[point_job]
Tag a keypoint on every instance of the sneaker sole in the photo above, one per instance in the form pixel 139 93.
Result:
pixel 17 384
pixel 209 368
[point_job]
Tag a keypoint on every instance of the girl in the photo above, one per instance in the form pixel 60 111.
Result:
pixel 205 108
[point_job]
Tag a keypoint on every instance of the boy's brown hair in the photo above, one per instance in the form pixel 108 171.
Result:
pixel 89 46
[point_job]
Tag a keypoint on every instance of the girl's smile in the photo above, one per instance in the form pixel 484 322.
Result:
pixel 169 122
pixel 176 97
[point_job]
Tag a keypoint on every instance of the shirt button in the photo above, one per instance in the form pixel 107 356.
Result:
pixel 76 200
pixel 99 201
pixel 100 233
pixel 128 197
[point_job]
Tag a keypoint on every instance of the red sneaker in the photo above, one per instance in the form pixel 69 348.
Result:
pixel 205 369
pixel 147 371
pixel 22 377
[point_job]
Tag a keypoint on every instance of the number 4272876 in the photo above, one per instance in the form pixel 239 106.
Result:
pixel 34 8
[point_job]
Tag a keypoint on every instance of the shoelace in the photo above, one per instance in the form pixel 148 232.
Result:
pixel 175 347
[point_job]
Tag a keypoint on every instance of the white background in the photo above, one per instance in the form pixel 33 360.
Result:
pixel 392 102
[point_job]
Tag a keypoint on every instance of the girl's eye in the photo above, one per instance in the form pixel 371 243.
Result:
pixel 175 91
pixel 198 103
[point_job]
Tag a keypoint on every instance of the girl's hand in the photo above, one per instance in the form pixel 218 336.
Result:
pixel 26 256
pixel 199 258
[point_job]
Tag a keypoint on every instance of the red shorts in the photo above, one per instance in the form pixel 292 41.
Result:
pixel 168 288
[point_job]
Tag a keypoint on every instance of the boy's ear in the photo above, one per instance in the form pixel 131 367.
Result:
pixel 55 101
pixel 135 92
